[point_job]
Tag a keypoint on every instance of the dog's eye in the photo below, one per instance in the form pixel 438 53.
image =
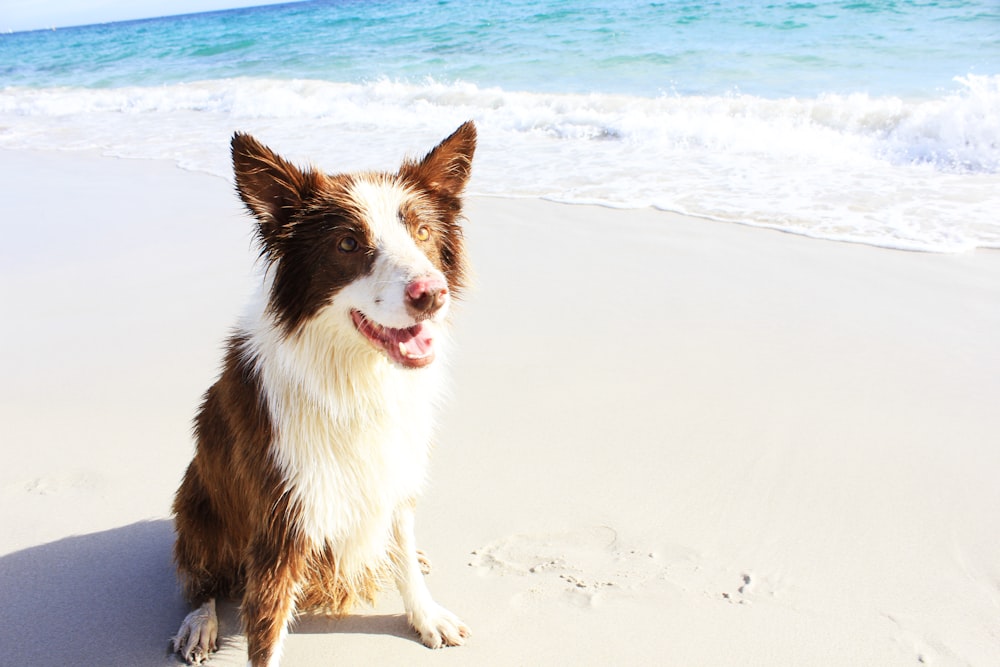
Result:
pixel 423 233
pixel 347 244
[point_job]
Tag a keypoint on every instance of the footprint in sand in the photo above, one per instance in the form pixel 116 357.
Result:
pixel 589 564
pixel 584 564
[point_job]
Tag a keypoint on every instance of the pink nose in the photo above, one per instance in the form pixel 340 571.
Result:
pixel 424 296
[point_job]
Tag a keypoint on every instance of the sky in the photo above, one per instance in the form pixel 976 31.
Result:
pixel 19 15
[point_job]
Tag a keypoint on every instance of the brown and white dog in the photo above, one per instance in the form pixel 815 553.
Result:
pixel 312 445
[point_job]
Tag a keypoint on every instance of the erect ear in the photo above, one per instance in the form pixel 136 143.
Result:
pixel 445 170
pixel 272 188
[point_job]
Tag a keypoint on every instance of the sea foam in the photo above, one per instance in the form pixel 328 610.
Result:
pixel 906 173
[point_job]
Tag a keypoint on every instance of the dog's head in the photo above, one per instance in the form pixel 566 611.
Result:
pixel 378 254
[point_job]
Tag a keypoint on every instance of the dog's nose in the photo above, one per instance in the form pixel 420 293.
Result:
pixel 425 296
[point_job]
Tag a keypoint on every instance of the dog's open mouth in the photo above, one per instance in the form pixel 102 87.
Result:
pixel 412 347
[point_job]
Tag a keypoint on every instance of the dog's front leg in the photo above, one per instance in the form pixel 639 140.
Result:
pixel 437 626
pixel 275 566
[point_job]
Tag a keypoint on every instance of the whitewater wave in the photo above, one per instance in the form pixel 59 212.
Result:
pixel 917 174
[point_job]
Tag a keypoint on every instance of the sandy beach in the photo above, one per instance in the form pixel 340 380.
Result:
pixel 671 441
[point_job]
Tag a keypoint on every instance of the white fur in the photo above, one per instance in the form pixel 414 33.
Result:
pixel 380 295
pixel 437 626
pixel 352 430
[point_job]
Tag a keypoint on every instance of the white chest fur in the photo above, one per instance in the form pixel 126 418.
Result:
pixel 351 431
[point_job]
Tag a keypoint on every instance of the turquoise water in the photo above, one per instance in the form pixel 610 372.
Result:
pixel 876 122
pixel 568 46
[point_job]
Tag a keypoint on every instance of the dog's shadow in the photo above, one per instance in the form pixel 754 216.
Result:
pixel 111 598
pixel 395 625
pixel 107 598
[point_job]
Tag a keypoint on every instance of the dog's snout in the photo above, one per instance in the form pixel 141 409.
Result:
pixel 425 296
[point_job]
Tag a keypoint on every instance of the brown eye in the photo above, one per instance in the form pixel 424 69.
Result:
pixel 423 233
pixel 347 244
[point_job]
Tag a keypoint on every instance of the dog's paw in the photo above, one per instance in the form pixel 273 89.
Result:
pixel 198 634
pixel 439 627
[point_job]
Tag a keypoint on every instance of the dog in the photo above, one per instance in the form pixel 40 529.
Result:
pixel 312 445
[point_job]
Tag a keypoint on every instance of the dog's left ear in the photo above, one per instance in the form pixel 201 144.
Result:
pixel 446 169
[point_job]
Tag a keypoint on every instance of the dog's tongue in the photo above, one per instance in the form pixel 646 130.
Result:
pixel 412 347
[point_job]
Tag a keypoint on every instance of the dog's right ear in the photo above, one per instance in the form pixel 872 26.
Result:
pixel 271 187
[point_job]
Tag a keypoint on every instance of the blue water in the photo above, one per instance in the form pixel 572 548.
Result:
pixel 876 122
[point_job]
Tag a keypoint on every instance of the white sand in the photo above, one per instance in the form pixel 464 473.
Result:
pixel 672 441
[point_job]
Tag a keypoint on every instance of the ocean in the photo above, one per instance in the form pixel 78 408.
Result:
pixel 868 122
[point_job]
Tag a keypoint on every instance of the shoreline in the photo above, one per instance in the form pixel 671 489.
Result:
pixel 804 232
pixel 669 441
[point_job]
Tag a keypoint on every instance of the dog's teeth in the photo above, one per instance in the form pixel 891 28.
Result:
pixel 403 351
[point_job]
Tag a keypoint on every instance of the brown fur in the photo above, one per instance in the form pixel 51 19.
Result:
pixel 298 209
pixel 236 527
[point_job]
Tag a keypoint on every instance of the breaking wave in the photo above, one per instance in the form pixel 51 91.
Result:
pixel 906 173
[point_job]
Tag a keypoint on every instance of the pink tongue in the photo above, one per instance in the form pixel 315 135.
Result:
pixel 412 347
pixel 416 340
